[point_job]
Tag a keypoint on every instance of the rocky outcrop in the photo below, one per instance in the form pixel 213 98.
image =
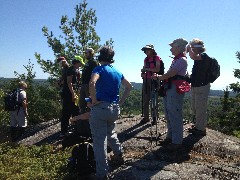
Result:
pixel 214 156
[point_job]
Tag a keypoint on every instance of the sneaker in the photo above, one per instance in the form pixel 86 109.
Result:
pixel 144 121
pixel 197 132
pixel 165 142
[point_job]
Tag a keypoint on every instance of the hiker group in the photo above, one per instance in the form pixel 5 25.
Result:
pixel 175 83
pixel 91 101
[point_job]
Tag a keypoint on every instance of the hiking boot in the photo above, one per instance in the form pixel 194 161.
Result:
pixel 196 132
pixel 165 142
pixel 144 121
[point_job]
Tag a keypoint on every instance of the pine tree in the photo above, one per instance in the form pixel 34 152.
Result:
pixel 77 34
pixel 236 86
pixel 229 118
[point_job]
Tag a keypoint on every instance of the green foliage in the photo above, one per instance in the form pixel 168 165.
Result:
pixel 228 119
pixel 236 86
pixel 44 104
pixel 77 34
pixel 187 112
pixel 43 100
pixel 4 116
pixel 133 103
pixel 34 162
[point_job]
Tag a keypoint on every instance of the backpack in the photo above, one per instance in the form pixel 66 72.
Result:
pixel 82 161
pixel 213 70
pixel 11 100
pixel 161 71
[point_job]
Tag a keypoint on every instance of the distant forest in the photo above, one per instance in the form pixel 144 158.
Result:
pixel 137 86
pixel 219 93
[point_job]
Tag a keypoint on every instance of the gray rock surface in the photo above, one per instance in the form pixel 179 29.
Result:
pixel 214 156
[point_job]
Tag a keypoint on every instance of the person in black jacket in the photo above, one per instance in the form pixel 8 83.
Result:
pixel 200 86
pixel 70 94
pixel 64 67
pixel 82 126
pixel 86 76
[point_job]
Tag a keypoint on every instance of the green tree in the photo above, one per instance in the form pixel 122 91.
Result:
pixel 77 34
pixel 43 99
pixel 236 86
pixel 229 117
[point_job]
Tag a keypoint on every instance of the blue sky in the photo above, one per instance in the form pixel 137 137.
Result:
pixel 131 24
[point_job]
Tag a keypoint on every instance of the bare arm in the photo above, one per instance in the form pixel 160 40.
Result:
pixel 127 88
pixel 169 74
pixel 92 87
pixel 70 86
pixel 24 105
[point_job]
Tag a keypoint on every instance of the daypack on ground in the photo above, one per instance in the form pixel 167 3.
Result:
pixel 11 101
pixel 82 161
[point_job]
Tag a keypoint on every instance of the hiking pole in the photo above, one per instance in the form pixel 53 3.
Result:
pixel 156 108
pixel 152 107
pixel 143 74
pixel 142 96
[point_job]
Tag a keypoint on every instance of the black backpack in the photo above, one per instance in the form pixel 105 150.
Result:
pixel 82 161
pixel 214 70
pixel 11 100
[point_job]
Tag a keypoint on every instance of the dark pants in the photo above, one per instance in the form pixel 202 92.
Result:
pixel 69 109
pixel 84 93
pixel 146 97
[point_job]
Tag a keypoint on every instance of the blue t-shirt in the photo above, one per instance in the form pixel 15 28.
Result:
pixel 108 84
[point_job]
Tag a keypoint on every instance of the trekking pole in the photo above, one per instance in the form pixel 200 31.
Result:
pixel 142 96
pixel 152 109
pixel 156 108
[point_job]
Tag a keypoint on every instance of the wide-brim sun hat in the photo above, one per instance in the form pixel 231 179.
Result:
pixel 148 46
